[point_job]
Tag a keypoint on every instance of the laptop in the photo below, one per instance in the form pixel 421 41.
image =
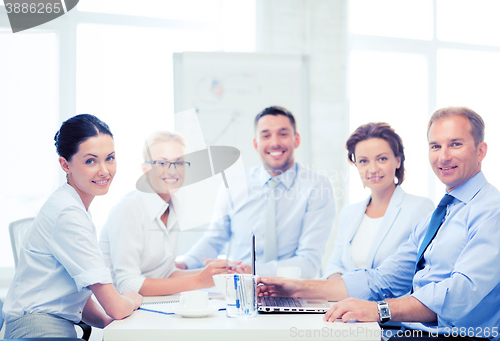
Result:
pixel 276 304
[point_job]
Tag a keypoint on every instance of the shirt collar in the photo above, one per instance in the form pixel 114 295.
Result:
pixel 155 206
pixel 74 194
pixel 468 190
pixel 287 178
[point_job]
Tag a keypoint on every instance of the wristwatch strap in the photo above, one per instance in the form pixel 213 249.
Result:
pixel 383 311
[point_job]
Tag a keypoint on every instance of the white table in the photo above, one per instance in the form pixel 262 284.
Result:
pixel 144 325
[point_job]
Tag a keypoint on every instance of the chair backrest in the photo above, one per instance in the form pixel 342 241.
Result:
pixel 1 315
pixel 16 231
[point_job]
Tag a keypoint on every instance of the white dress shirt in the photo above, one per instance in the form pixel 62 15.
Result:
pixel 402 215
pixel 136 244
pixel 58 260
pixel 363 239
pixel 305 211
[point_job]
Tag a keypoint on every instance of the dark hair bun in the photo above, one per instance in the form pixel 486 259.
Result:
pixel 76 130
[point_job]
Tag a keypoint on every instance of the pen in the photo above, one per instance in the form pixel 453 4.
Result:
pixel 155 311
pixel 164 313
pixel 236 279
pixel 253 254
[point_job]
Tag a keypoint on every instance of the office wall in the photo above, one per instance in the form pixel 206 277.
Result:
pixel 310 27
pixel 318 29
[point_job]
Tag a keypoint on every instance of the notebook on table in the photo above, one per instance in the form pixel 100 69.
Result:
pixel 275 304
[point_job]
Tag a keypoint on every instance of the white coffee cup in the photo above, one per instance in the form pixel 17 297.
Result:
pixel 288 272
pixel 220 282
pixel 193 300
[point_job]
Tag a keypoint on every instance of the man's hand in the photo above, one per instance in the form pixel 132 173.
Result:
pixel 278 286
pixel 181 266
pixel 207 261
pixel 244 269
pixel 353 309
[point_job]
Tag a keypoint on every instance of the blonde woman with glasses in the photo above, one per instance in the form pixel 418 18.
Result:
pixel 139 239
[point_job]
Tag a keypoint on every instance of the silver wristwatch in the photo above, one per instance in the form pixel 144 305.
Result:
pixel 383 311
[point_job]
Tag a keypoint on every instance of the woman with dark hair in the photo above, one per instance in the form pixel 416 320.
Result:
pixel 372 230
pixel 60 263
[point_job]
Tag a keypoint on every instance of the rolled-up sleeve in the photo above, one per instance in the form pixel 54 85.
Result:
pixel 75 247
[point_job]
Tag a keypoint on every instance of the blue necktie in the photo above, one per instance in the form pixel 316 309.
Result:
pixel 434 225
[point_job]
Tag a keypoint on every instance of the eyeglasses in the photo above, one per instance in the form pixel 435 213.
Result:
pixel 177 164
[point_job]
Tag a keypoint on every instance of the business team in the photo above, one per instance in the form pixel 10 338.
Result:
pixel 440 265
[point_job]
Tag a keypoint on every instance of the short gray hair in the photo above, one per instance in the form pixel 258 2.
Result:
pixel 475 121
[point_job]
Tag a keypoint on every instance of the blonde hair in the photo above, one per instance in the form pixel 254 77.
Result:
pixel 160 136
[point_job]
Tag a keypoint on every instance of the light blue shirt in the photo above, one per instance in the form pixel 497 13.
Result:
pixel 305 211
pixel 58 260
pixel 460 281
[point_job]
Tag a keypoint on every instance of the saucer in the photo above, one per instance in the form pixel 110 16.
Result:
pixel 195 313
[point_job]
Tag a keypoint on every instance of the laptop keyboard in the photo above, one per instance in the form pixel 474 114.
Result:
pixel 281 301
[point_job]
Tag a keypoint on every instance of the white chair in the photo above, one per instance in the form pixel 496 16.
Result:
pixel 16 231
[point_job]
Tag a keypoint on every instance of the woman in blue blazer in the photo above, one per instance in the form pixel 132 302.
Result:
pixel 372 230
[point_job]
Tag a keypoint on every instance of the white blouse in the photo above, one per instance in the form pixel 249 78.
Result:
pixel 136 244
pixel 362 241
pixel 59 258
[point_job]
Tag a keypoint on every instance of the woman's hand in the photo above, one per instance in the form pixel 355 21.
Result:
pixel 134 297
pixel 115 305
pixel 215 267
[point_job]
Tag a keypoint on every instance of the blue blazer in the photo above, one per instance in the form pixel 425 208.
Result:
pixel 402 215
